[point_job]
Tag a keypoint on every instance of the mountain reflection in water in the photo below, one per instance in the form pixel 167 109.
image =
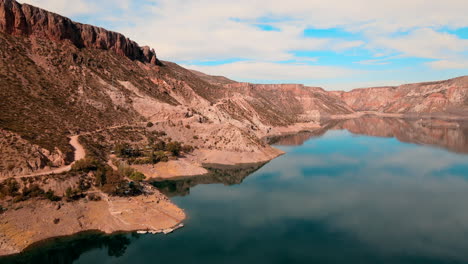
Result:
pixel 450 135
pixel 355 193
pixel 217 174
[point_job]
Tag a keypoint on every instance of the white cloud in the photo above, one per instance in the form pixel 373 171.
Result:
pixel 456 63
pixel 253 70
pixel 424 43
pixel 68 8
pixel 185 30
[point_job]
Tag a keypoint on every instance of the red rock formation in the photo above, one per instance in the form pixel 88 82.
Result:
pixel 448 97
pixel 27 20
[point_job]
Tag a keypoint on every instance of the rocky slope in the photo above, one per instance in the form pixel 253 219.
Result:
pixel 442 97
pixel 27 20
pixel 60 77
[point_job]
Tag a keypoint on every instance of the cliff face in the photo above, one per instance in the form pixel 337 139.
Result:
pixel 27 20
pixel 449 97
pixel 58 78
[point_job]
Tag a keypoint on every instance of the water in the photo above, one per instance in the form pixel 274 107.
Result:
pixel 337 198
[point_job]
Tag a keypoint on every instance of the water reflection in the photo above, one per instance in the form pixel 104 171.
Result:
pixel 217 174
pixel 451 135
pixel 68 250
pixel 343 197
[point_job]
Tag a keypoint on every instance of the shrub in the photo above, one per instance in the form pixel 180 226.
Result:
pixel 100 177
pixel 187 149
pixel 195 137
pixel 142 161
pixel 72 194
pixel 124 188
pixel 125 170
pixel 174 147
pixel 52 197
pixel 10 187
pixel 94 197
pixel 126 151
pixel 160 145
pixel 33 191
pixel 86 165
pixel 158 156
pixel 149 124
pixel 137 176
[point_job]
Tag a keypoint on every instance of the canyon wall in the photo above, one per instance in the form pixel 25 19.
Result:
pixel 448 97
pixel 27 20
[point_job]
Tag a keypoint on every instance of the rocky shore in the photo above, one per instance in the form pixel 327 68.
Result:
pixel 33 221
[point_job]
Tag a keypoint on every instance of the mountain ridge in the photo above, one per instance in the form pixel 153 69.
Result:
pixel 60 78
pixel 27 20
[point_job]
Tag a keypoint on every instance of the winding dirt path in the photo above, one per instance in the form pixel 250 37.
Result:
pixel 79 153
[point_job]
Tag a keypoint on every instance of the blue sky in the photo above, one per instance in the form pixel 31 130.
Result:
pixel 335 44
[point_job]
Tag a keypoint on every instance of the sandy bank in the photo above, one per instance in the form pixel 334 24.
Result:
pixel 33 221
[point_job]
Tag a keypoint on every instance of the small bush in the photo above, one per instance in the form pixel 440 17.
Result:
pixel 149 124
pixel 158 156
pixel 100 177
pixel 126 151
pixel 86 165
pixel 187 149
pixel 52 197
pixel 174 147
pixel 125 170
pixel 137 176
pixel 10 187
pixel 94 197
pixel 160 145
pixel 195 137
pixel 72 194
pixel 33 191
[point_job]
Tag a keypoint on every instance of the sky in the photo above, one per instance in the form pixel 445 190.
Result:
pixel 335 44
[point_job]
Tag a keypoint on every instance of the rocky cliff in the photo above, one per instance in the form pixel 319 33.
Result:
pixel 59 78
pixel 442 97
pixel 27 20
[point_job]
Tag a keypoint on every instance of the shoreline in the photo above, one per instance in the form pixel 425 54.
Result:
pixel 12 246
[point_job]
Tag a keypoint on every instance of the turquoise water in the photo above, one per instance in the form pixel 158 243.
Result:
pixel 338 198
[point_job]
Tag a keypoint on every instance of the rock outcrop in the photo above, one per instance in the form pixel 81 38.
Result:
pixel 442 97
pixel 27 20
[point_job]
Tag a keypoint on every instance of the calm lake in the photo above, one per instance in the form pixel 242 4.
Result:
pixel 361 191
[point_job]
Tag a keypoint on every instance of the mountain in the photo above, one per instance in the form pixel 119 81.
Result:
pixel 60 78
pixel 441 97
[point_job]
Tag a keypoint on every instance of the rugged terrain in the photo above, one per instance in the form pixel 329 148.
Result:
pixel 442 98
pixel 64 82
pixel 60 77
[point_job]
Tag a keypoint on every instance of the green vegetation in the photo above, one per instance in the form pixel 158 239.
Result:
pixel 86 165
pixel 73 194
pixel 137 176
pixel 158 156
pixel 126 151
pixel 52 197
pixel 156 151
pixel 149 124
pixel 174 147
pixel 9 187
